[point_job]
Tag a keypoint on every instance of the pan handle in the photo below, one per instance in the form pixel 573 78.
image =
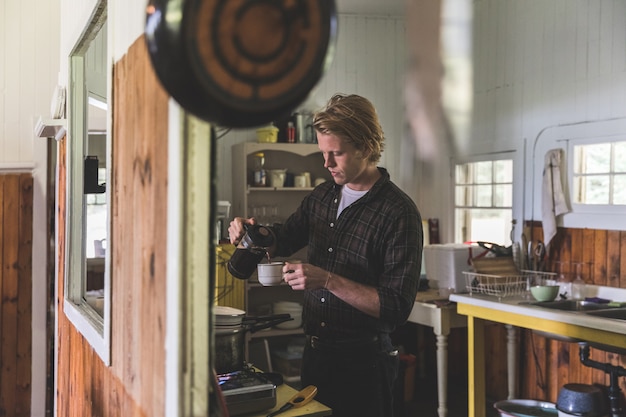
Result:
pixel 270 323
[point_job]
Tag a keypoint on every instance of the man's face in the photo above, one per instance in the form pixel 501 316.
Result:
pixel 346 164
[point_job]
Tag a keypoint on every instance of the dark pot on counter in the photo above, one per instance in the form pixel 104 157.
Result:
pixel 230 341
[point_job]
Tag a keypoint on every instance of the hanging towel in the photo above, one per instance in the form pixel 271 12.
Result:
pixel 552 197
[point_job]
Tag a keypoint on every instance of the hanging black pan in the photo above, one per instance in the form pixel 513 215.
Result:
pixel 240 63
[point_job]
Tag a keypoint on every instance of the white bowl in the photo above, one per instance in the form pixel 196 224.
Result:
pixel 526 408
pixel 228 316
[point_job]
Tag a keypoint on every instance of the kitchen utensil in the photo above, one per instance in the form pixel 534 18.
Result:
pixel 539 255
pixel 293 309
pixel 277 177
pixel 267 134
pixel 497 250
pixel 301 398
pixel 270 273
pixel 228 316
pixel 230 340
pixel 240 64
pixel 250 251
pixel 544 292
pixel 299 181
pixel 526 408
pixel 582 400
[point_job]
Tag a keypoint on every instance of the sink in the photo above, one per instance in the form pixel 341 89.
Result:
pixel 610 313
pixel 572 305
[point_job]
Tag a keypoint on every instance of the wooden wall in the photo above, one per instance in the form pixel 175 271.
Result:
pixel 547 364
pixel 544 364
pixel 134 384
pixel 16 234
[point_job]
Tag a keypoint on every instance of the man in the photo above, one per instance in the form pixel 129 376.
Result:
pixel 365 239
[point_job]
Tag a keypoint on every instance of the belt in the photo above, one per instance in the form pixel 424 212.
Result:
pixel 341 345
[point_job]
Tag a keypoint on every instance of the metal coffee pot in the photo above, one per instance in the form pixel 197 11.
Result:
pixel 250 251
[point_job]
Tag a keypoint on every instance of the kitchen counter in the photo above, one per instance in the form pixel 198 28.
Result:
pixel 515 311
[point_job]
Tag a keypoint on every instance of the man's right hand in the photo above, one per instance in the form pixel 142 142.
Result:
pixel 236 229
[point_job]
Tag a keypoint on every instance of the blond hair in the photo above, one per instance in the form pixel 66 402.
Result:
pixel 352 118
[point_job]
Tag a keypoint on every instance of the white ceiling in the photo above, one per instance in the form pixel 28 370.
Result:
pixel 373 7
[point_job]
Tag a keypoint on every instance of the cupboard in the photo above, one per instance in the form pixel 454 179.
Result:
pixel 269 205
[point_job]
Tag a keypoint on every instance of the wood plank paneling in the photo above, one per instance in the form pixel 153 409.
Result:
pixel 16 234
pixel 603 251
pixel 134 384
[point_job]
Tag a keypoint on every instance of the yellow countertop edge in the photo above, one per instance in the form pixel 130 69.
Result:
pixel 550 326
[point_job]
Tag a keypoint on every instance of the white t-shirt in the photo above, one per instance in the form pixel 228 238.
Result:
pixel 348 196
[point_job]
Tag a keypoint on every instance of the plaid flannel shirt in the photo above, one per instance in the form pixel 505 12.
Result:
pixel 376 241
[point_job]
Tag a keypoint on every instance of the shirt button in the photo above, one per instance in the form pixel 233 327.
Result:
pixel 332 225
pixel 330 249
pixel 335 201
pixel 323 300
pixel 323 324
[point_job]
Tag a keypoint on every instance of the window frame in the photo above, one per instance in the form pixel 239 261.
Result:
pixel 95 328
pixel 489 157
pixel 610 209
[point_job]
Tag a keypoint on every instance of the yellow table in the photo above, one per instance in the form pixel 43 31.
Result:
pixel 283 394
pixel 481 308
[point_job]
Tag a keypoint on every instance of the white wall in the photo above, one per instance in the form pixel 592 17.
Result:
pixel 369 60
pixel 545 72
pixel 29 65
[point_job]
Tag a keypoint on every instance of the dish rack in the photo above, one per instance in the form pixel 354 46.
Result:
pixel 504 285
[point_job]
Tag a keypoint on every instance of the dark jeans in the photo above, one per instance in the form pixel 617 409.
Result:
pixel 357 383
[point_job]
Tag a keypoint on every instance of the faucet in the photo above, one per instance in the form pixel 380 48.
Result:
pixel 614 372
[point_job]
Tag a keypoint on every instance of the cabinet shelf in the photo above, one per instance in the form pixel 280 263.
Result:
pixel 274 202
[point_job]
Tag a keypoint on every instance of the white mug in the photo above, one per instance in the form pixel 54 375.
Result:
pixel 307 179
pixel 299 181
pixel 270 274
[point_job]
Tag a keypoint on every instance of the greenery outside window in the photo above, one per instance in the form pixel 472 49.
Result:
pixel 483 199
pixel 599 174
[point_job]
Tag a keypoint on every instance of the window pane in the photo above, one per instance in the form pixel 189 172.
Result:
pixel 462 174
pixel 491 225
pixel 619 188
pixel 597 158
pixel 596 189
pixel 463 196
pixel 503 195
pixel 620 157
pixel 483 196
pixel 503 171
pixel 483 172
pixel 480 188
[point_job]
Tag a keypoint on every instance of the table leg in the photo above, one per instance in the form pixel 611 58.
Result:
pixel 476 367
pixel 511 356
pixel 442 374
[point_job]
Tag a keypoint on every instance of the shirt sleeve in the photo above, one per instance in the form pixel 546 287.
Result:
pixel 403 259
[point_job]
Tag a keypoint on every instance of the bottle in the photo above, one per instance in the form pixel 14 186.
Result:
pixel 578 285
pixel 291 132
pixel 260 174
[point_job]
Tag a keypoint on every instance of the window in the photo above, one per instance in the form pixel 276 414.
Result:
pixel 87 281
pixel 483 196
pixel 599 173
